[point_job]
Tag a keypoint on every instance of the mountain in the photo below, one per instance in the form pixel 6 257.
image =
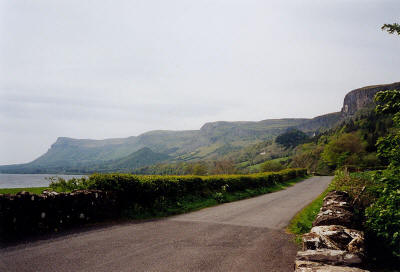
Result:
pixel 143 157
pixel 213 141
pixel 321 123
pixel 69 155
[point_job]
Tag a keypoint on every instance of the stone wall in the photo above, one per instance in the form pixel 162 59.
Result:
pixel 334 243
pixel 26 213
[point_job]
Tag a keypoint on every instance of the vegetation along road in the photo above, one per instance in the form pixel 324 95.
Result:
pixel 246 235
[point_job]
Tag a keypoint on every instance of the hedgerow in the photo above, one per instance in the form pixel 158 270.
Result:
pixel 151 190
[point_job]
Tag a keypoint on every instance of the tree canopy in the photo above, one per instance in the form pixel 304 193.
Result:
pixel 292 138
pixel 392 28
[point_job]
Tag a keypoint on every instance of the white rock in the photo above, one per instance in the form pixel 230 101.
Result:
pixel 328 256
pixel 306 266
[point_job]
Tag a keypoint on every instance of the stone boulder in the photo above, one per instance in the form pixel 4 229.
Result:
pixel 329 256
pixel 334 237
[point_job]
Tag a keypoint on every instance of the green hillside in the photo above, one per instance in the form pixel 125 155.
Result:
pixel 244 144
pixel 137 159
pixel 213 140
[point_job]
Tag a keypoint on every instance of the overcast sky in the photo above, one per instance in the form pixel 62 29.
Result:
pixel 101 69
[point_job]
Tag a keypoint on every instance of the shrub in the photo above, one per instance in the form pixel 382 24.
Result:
pixel 361 185
pixel 379 205
pixel 383 216
pixel 148 191
pixel 270 166
pixel 345 150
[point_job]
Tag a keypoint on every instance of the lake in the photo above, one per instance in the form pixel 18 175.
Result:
pixel 29 180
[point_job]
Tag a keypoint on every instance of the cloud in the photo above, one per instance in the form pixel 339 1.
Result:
pixel 98 69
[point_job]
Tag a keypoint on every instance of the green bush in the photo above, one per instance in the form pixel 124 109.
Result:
pixel 269 166
pixel 383 216
pixel 360 185
pixel 379 205
pixel 149 191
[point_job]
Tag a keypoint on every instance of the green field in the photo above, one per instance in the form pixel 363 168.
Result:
pixel 35 190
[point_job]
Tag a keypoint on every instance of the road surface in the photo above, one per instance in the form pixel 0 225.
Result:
pixel 246 235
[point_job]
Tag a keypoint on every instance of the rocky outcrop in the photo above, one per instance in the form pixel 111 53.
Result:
pixel 26 213
pixel 362 97
pixel 332 244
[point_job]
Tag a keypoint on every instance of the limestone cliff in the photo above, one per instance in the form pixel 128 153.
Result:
pixel 363 97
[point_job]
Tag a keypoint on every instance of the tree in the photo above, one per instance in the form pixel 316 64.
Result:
pixel 391 28
pixel 224 167
pixel 388 102
pixel 291 138
pixel 271 166
pixel 345 150
pixel 199 169
pixel 309 156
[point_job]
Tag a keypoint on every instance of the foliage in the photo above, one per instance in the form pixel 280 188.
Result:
pixel 388 149
pixel 324 153
pixel 392 28
pixel 383 216
pixel 309 156
pixel 224 167
pixel 388 102
pixel 149 191
pixel 344 150
pixel 271 166
pixel 195 202
pixel 199 169
pixel 380 201
pixel 291 138
pixel 360 185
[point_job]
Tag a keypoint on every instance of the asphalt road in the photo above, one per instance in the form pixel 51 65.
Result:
pixel 246 235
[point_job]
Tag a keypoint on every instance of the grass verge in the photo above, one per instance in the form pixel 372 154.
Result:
pixel 302 222
pixel 35 190
pixel 193 203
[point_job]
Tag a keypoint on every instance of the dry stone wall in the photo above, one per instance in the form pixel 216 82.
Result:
pixel 333 244
pixel 26 213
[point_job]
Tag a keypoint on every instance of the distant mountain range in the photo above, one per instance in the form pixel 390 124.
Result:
pixel 211 141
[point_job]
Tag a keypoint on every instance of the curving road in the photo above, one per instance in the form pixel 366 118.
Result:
pixel 246 235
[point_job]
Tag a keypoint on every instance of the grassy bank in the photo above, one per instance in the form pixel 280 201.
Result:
pixel 35 190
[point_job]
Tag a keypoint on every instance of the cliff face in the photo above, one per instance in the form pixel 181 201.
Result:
pixel 363 97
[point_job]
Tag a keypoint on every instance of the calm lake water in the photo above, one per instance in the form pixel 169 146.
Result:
pixel 29 180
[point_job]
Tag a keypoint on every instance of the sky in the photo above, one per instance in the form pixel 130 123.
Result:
pixel 109 69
